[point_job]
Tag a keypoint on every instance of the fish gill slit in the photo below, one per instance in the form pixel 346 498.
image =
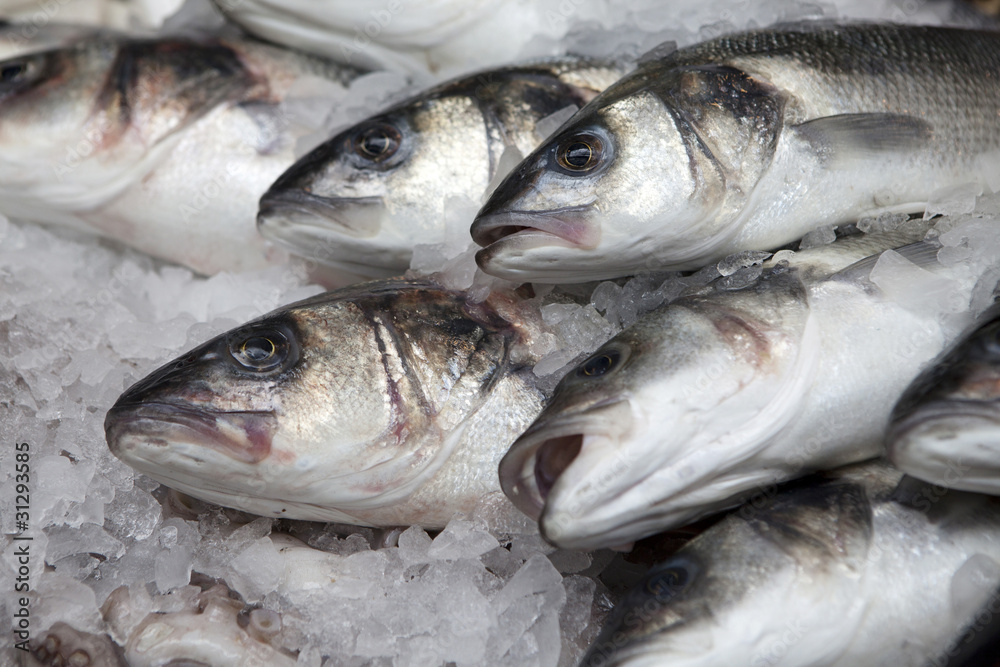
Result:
pixel 386 337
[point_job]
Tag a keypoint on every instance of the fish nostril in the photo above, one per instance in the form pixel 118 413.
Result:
pixel 552 458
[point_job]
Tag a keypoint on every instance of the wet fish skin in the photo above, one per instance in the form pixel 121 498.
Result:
pixel 163 144
pixel 857 567
pixel 388 403
pixel 716 395
pixel 946 427
pixel 365 197
pixel 745 142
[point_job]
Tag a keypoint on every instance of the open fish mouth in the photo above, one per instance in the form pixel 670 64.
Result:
pixel 566 226
pixel 243 436
pixel 538 459
pixel 283 215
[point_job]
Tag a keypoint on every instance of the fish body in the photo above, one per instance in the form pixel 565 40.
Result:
pixel 163 144
pixel 389 403
pixel 946 428
pixel 721 393
pixel 748 141
pixel 858 568
pixel 364 198
pixel 437 40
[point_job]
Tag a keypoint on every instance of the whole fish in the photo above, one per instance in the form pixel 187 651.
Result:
pixel 946 427
pixel 162 144
pixel 364 198
pixel 860 568
pixel 388 403
pixel 720 393
pixel 748 141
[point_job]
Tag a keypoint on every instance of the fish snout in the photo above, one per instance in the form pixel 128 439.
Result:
pixel 284 214
pixel 539 459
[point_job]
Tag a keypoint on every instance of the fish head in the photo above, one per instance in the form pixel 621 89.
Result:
pixel 650 431
pixel 642 178
pixel 364 198
pixel 758 587
pixel 344 402
pixel 81 123
pixel 946 427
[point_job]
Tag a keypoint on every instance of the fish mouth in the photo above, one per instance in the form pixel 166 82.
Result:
pixel 942 416
pixel 288 214
pixel 131 429
pixel 567 226
pixel 537 460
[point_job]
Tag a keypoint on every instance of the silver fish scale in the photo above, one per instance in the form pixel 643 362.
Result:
pixel 929 73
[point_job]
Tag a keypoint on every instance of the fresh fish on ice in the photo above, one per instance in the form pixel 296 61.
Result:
pixel 735 388
pixel 749 141
pixel 862 567
pixel 946 428
pixel 388 403
pixel 364 198
pixel 440 39
pixel 163 144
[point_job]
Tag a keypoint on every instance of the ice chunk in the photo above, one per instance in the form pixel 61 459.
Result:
pixel 817 237
pixel 915 288
pixel 548 125
pixel 461 539
pixel 884 222
pixel 133 514
pixel 953 200
pixel 733 263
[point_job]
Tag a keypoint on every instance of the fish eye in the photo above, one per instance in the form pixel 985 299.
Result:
pixel 670 580
pixel 14 73
pixel 580 154
pixel 263 350
pixel 377 142
pixel 11 72
pixel 599 364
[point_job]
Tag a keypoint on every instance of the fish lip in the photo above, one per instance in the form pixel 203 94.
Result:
pixel 280 212
pixel 157 422
pixel 562 226
pixel 517 468
pixel 941 410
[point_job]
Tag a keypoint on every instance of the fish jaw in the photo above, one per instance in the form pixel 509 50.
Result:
pixel 517 241
pixel 335 231
pixel 537 460
pixel 243 436
pixel 952 443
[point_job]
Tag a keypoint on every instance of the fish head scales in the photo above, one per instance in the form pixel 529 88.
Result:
pixel 646 176
pixel 81 123
pixel 364 405
pixel 662 424
pixel 372 192
pixel 945 427
pixel 753 588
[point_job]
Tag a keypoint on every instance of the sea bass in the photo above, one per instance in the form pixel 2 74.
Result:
pixel 860 568
pixel 729 390
pixel 364 198
pixel 388 403
pixel 746 142
pixel 440 39
pixel 162 144
pixel 946 428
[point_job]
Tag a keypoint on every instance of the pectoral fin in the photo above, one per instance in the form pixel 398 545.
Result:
pixel 855 136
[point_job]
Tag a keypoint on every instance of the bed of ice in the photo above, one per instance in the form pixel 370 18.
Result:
pixel 81 319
